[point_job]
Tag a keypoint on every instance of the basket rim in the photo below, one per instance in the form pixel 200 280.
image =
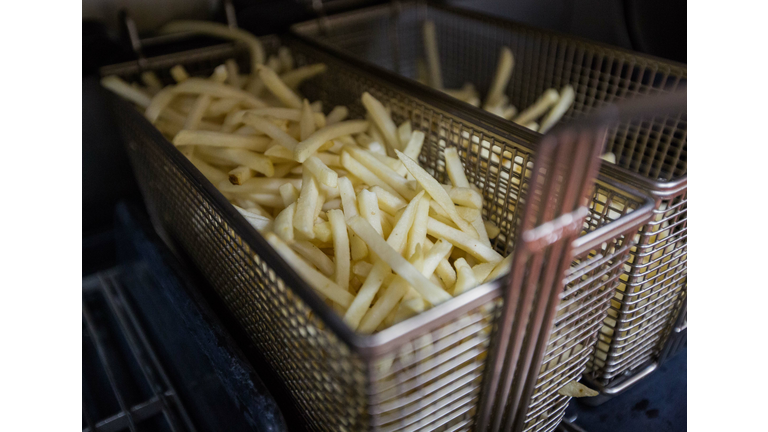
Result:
pixel 302 31
pixel 371 346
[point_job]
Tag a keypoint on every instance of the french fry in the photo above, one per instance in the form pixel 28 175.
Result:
pixel 122 88
pixel 465 196
pixel 567 96
pixel 609 157
pixel 307 122
pixel 454 167
pixel 295 77
pixel 413 148
pixel 543 103
pixel 220 30
pixel 501 79
pixel 340 247
pixel 383 172
pixel 466 278
pixel 219 139
pixel 437 193
pixel 258 185
pixel 323 233
pixel 233 73
pixel 254 161
pixel 382 120
pixel 278 88
pixel 337 114
pixel 482 270
pixel 315 256
pixel 305 206
pixel 362 268
pixel 179 74
pixel 399 265
pixel 332 204
pixel 433 58
pixel 492 230
pixel 314 278
pixel 283 226
pixel 203 86
pixel 418 232
pixel 240 174
pixel 363 173
pixel 321 172
pixel 270 129
pixel 368 206
pixel 404 132
pixel 286 59
pixel 501 269
pixel 257 221
pixel 337 130
pixel 219 74
pixel 462 241
pixel 150 79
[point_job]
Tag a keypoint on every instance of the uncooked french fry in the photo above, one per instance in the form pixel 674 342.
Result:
pixel 418 232
pixel 501 269
pixel 254 161
pixel 283 226
pixel 307 122
pixel 399 265
pixel 315 256
pixel 340 247
pixel 360 171
pixel 270 129
pixel 437 193
pixel 413 148
pixel 179 74
pixel 220 30
pixel 278 88
pixel 257 221
pixel 382 120
pixel 295 77
pixel 328 133
pixel 219 139
pixel 465 279
pixel 337 114
pixel 368 206
pixel 462 241
pixel 286 59
pixel 433 58
pixel 314 278
pixel 567 96
pixel 455 168
pixel 542 104
pixel 233 73
pixel 467 197
pixel 501 79
pixel 492 230
pixel 404 132
pixel 382 172
pixel 482 271
pixel 239 175
pixel 305 206
pixel 321 172
pixel 122 88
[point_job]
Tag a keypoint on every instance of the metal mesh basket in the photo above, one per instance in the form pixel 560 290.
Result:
pixel 651 153
pixel 423 373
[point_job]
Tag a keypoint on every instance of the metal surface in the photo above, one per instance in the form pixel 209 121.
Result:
pixel 426 372
pixel 651 151
pixel 104 287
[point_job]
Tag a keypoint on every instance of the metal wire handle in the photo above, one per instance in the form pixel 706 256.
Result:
pixel 564 171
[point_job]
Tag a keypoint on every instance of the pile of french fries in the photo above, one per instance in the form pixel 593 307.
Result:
pixel 345 202
pixel 540 117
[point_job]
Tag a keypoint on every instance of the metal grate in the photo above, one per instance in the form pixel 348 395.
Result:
pixel 651 152
pixel 425 372
pixel 124 386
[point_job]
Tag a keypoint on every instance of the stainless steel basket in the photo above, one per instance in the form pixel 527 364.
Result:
pixel 651 153
pixel 426 372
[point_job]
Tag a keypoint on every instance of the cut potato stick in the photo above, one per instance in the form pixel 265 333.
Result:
pixel 465 277
pixel 239 175
pixel 323 232
pixel 220 74
pixel 340 247
pixel 413 148
pixel 360 171
pixel 254 161
pixel 482 271
pixel 436 191
pixel 455 168
pixel 213 174
pixel 418 232
pixel 259 185
pixel 404 132
pixel 257 221
pixel 501 78
pixel 307 122
pixel 233 73
pixel 373 282
pixel 215 89
pixel 283 225
pixel 150 79
pixel 295 77
pixel 399 265
pixel 321 172
pixel 270 129
pixel 337 130
pixel 348 198
pixel 467 197
pixel 468 214
pixel 382 171
pixel 543 103
pixel 368 206
pixel 122 88
pixel 220 30
pixel 220 139
pixel 332 204
pixel 179 74
pixel 305 206
pixel 337 114
pixel 361 268
pixel 286 59
pixel 609 157
pixel 462 241
pixel 314 278
pixel 492 230
pixel 567 96
pixel 433 58
pixel 221 106
pixel 501 269
pixel 382 120
pixel 278 88
pixel 315 256
pixel 479 226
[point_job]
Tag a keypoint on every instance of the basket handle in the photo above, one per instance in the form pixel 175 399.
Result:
pixel 556 205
